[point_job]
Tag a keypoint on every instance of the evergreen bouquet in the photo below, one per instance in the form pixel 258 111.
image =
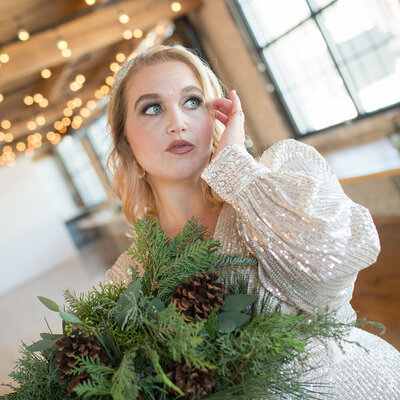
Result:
pixel 180 331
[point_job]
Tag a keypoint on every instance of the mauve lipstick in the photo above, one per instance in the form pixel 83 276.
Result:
pixel 180 147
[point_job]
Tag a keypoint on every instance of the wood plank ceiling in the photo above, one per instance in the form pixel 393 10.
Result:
pixel 94 36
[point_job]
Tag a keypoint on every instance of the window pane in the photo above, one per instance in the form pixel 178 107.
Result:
pixel 366 37
pixel 318 4
pixel 82 173
pixel 101 141
pixel 306 75
pixel 271 18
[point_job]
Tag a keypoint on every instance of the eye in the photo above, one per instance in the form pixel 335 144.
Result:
pixel 193 102
pixel 152 109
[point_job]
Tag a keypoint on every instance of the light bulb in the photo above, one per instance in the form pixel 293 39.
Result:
pixel 23 34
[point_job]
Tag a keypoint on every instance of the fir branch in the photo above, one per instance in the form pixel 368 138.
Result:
pixel 99 384
pixel 123 385
pixel 34 379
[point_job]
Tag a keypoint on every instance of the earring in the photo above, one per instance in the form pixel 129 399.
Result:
pixel 139 170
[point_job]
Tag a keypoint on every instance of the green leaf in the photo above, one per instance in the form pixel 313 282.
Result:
pixel 230 321
pixel 51 336
pixel 66 316
pixel 157 304
pixel 50 304
pixel 42 345
pixel 238 302
pixel 131 293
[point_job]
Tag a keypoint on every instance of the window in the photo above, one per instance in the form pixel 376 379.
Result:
pixel 330 61
pixel 81 171
pixel 100 140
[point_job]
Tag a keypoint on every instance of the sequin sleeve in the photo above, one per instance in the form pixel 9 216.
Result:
pixel 121 271
pixel 310 239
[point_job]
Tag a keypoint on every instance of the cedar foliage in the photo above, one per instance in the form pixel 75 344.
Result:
pixel 142 332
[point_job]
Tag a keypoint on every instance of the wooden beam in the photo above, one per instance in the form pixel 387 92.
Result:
pixel 376 175
pixel 85 34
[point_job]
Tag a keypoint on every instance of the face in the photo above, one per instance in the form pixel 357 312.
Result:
pixel 168 124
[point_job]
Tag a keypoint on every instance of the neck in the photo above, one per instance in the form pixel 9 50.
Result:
pixel 179 201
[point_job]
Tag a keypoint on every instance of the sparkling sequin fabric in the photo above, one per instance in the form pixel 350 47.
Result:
pixel 310 240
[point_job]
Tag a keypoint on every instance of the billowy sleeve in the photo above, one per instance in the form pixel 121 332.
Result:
pixel 309 238
pixel 120 272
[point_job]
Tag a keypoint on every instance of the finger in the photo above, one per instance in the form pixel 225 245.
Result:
pixel 236 104
pixel 221 117
pixel 224 105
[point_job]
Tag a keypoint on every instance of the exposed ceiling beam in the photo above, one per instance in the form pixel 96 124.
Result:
pixel 84 34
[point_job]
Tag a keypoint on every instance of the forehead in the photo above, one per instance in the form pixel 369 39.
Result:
pixel 166 77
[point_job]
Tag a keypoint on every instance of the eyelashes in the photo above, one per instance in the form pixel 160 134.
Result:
pixel 192 103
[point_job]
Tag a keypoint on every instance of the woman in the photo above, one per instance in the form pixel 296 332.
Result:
pixel 178 152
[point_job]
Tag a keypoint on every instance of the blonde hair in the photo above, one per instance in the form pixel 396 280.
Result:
pixel 135 193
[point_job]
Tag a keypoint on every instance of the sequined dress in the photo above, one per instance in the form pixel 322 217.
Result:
pixel 290 212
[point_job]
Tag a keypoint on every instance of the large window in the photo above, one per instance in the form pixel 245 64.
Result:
pixel 100 140
pixel 81 171
pixel 330 61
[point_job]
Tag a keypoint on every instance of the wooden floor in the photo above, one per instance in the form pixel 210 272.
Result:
pixel 377 290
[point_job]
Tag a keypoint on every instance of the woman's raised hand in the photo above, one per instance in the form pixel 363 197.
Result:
pixel 230 113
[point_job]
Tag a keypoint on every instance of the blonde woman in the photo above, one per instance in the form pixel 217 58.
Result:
pixel 178 151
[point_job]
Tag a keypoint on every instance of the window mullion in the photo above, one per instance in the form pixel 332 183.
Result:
pixel 343 73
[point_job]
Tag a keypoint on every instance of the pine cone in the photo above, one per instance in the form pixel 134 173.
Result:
pixel 76 344
pixel 197 296
pixel 195 383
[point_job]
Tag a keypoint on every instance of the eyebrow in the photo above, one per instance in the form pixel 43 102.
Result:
pixel 152 96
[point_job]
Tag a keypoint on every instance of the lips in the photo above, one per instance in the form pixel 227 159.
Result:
pixel 179 147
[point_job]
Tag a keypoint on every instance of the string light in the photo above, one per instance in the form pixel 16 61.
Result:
pixel 176 6
pixel 84 112
pixel 20 146
pixel 58 125
pixel 77 102
pixel 105 89
pixel 31 125
pixel 74 86
pixel 23 34
pixel 62 44
pixel 43 103
pixel 66 53
pixel 137 33
pixel 46 73
pixel 1 97
pixel 110 80
pixel 6 124
pixel 8 137
pixel 67 112
pixel 120 57
pixel 123 17
pixel 127 34
pixel 90 2
pixel 115 67
pixel 4 58
pixel 37 97
pixel 98 94
pixel 40 120
pixel 28 100
pixel 80 79
pixel 66 121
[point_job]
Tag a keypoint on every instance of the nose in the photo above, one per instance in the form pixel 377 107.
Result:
pixel 176 123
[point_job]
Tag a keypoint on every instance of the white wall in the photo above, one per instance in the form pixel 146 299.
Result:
pixel 33 238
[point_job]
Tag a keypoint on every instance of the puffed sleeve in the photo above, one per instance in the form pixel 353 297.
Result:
pixel 120 272
pixel 309 238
